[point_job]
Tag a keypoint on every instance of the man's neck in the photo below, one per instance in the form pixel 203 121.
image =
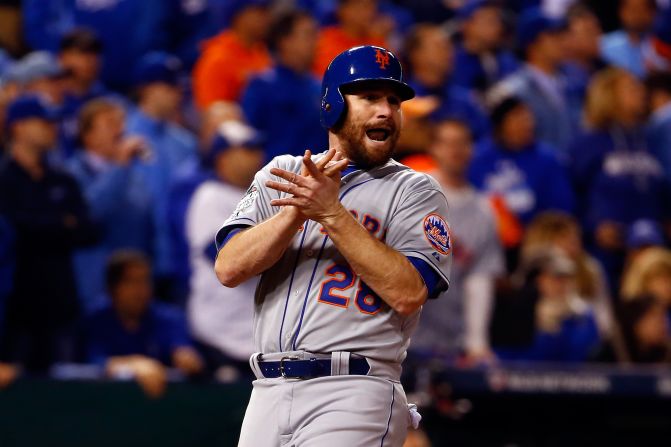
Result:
pixel 28 158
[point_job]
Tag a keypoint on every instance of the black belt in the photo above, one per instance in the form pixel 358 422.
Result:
pixel 308 369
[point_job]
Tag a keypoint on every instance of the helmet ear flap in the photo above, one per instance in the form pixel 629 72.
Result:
pixel 332 107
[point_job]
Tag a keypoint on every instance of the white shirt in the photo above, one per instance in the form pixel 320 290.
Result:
pixel 219 316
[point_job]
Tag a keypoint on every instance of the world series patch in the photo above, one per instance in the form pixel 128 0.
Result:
pixel 437 232
pixel 247 200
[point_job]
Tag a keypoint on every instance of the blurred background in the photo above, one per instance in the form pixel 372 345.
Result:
pixel 131 129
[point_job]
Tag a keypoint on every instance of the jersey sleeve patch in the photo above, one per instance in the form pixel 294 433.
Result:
pixel 437 232
pixel 247 200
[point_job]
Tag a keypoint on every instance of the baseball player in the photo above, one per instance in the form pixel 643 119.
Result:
pixel 349 246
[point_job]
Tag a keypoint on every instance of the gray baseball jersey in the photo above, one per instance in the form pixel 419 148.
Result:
pixel 311 300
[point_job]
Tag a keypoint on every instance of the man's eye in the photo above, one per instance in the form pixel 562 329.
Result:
pixel 371 97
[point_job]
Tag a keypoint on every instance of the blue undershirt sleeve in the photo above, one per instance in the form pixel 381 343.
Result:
pixel 433 281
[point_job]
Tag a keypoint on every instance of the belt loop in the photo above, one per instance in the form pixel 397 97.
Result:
pixel 254 365
pixel 340 363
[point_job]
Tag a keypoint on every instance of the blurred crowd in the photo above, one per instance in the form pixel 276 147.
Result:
pixel 131 129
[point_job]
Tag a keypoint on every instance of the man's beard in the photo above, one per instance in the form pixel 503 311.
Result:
pixel 353 142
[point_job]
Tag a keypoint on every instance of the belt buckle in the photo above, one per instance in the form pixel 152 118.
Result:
pixel 291 357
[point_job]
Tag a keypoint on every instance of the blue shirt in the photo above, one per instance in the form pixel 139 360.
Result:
pixel 659 137
pixel 162 329
pixel 617 178
pixel 530 180
pixel 617 49
pixel 121 201
pixel 470 73
pixel 284 105
pixel 173 157
pixel 574 342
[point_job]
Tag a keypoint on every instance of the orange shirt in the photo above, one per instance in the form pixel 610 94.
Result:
pixel 333 41
pixel 224 67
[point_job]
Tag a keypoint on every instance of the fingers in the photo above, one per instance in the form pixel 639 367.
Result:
pixel 289 201
pixel 291 177
pixel 289 188
pixel 324 160
pixel 313 170
pixel 336 167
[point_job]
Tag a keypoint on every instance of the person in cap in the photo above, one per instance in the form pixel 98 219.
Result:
pixel 43 75
pixel 221 318
pixel 283 102
pixel 230 58
pixel 172 148
pixel 540 82
pixel 107 168
pixel 624 47
pixel 46 209
pixel 349 245
pixel 480 60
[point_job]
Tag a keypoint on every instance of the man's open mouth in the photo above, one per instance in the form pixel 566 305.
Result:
pixel 378 134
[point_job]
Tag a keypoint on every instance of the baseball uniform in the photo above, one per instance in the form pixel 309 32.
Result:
pixel 311 305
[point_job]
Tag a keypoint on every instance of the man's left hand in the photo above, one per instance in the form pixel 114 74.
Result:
pixel 315 195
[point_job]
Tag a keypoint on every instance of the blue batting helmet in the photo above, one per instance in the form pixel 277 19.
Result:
pixel 358 64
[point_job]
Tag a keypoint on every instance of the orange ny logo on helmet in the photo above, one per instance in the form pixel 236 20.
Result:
pixel 382 58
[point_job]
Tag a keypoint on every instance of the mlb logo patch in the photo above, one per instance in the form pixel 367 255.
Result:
pixel 437 232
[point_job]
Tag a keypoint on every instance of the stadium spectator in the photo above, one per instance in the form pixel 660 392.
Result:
pixel 80 54
pixel 173 149
pixel 284 102
pixel 584 57
pixel 133 335
pixel 221 318
pixel 564 327
pixel 459 321
pixel 185 186
pixel 624 47
pixel 358 23
pixel 480 58
pixel 659 123
pixel 46 209
pixel 217 113
pixel 616 177
pixel 649 275
pixel 561 231
pixel 429 56
pixel 42 74
pixel 230 58
pixel 106 167
pixel 540 82
pixel 518 169
pixel 645 327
